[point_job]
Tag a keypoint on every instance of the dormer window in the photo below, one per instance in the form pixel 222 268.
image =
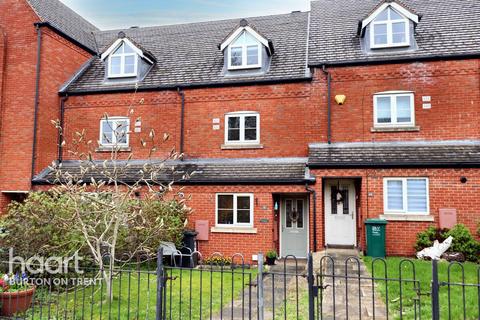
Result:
pixel 245 52
pixel 123 62
pixel 246 48
pixel 389 29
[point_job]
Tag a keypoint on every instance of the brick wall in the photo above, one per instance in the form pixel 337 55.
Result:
pixel 59 61
pixel 454 88
pixel 446 191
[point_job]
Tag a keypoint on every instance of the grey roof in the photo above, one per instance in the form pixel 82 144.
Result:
pixel 217 171
pixel 396 154
pixel 447 28
pixel 66 20
pixel 189 54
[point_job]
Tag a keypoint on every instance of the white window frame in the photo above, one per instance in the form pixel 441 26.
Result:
pixel 242 116
pixel 393 108
pixel 235 197
pixel 244 47
pixel 389 23
pixel 114 136
pixel 405 196
pixel 122 57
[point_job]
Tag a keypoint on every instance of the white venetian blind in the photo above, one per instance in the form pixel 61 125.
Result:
pixel 417 195
pixel 395 195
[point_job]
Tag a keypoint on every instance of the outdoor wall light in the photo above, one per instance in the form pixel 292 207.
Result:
pixel 340 99
pixel 275 206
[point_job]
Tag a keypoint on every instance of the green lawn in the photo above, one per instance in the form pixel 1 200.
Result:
pixel 189 294
pixel 423 273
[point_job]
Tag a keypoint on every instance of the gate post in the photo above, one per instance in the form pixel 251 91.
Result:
pixel 435 291
pixel 160 285
pixel 311 289
pixel 260 299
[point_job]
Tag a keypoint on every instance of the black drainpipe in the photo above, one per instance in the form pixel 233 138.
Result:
pixel 37 95
pixel 60 131
pixel 313 192
pixel 329 103
pixel 182 121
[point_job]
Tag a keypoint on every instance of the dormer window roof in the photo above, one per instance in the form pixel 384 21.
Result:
pixel 245 48
pixel 123 58
pixel 389 26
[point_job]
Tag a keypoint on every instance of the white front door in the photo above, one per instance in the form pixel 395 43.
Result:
pixel 294 228
pixel 340 213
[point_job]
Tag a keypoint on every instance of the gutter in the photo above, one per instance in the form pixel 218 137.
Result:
pixel 329 103
pixel 37 96
pixel 182 122
pixel 62 124
pixel 382 165
pixel 313 192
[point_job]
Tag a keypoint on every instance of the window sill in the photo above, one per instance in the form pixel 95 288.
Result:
pixel 241 146
pixel 242 230
pixel 111 149
pixel 408 217
pixel 395 129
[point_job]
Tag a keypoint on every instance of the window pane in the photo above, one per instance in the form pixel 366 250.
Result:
pixel 234 122
pixel 380 33
pixel 252 55
pixel 250 128
pixel 225 202
pixel 234 135
pixel 394 15
pixel 333 198
pixel 115 65
pixel 236 56
pixel 300 213
pixel 130 64
pixel 243 203
pixel 107 132
pixel 121 132
pixel 399 32
pixel 394 195
pixel 417 195
pixel 346 202
pixel 384 110
pixel 403 109
pixel 288 213
pixel 127 49
pixel 120 49
pixel 251 122
pixel 249 39
pixel 234 129
pixel 243 216
pixel 250 134
pixel 383 16
pixel 225 216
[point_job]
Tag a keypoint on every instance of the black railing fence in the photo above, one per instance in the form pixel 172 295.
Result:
pixel 319 287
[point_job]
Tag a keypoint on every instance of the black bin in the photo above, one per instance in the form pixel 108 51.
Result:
pixel 188 247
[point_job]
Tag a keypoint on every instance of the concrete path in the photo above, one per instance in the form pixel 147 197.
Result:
pixel 352 296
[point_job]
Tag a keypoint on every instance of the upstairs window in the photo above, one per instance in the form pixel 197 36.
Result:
pixel 245 52
pixel 114 132
pixel 406 195
pixel 389 29
pixel 394 110
pixel 123 62
pixel 242 128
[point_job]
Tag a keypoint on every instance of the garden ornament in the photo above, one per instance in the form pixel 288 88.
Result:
pixel 436 251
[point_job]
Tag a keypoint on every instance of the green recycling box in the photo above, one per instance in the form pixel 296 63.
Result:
pixel 376 237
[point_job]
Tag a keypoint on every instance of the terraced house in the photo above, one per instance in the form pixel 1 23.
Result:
pixel 298 126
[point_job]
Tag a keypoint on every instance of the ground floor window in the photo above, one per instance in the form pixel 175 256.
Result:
pixel 234 210
pixel 406 195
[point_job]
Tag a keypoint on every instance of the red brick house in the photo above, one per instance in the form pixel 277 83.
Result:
pixel 298 127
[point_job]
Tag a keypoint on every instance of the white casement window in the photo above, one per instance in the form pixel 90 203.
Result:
pixel 114 131
pixel 242 128
pixel 389 29
pixel 406 196
pixel 394 109
pixel 234 210
pixel 123 62
pixel 245 52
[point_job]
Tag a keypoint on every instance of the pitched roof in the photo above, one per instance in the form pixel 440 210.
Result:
pixel 447 28
pixel 396 154
pixel 200 171
pixel 65 20
pixel 188 54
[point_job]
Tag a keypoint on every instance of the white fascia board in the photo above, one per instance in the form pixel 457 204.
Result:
pixel 237 32
pixel 117 43
pixel 397 8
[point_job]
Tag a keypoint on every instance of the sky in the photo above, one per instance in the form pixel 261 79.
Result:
pixel 115 14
